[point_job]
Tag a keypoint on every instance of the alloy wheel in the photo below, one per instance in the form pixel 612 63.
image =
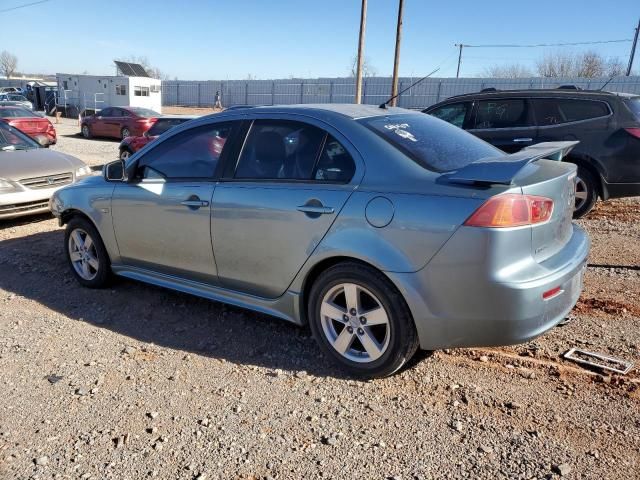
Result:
pixel 355 322
pixel 582 193
pixel 85 131
pixel 83 254
pixel 124 154
pixel 125 133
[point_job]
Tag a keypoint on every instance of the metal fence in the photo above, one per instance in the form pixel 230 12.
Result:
pixel 375 89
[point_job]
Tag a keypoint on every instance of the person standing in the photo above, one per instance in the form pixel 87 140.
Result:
pixel 218 102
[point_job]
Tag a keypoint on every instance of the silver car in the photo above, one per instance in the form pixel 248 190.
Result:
pixel 29 174
pixel 15 100
pixel 383 229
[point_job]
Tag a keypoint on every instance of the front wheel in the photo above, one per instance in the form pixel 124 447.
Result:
pixel 586 193
pixel 86 253
pixel 86 132
pixel 361 321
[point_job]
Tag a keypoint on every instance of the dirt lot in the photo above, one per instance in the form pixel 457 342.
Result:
pixel 135 381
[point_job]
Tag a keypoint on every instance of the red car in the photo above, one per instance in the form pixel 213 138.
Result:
pixel 37 127
pixel 118 122
pixel 130 145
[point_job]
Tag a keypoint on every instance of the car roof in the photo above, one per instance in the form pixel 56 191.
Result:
pixel 540 92
pixel 348 110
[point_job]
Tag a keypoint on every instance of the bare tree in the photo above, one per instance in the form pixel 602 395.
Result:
pixel 368 70
pixel 507 71
pixel 8 63
pixel 589 64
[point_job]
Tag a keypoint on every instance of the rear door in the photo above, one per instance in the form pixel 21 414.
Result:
pixel 506 123
pixel 276 204
pixel 162 217
pixel 115 121
pixel 99 124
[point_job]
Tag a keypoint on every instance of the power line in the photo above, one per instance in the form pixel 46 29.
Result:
pixel 535 45
pixel 23 6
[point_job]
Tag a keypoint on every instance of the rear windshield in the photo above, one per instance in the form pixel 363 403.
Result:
pixel 432 143
pixel 144 112
pixel 15 113
pixel 164 124
pixel 634 106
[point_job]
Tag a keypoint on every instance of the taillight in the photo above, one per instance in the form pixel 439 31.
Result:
pixel 633 131
pixel 511 210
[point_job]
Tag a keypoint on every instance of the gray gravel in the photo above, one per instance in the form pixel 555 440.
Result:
pixel 94 151
pixel 134 381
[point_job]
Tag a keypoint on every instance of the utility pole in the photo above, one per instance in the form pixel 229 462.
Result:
pixel 396 59
pixel 633 49
pixel 363 23
pixel 459 45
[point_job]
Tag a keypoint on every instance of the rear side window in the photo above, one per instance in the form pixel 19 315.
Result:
pixel 193 153
pixel 634 106
pixel 505 113
pixel 552 111
pixel 454 113
pixel 430 142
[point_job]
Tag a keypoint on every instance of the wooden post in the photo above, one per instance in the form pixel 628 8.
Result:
pixel 363 22
pixel 396 60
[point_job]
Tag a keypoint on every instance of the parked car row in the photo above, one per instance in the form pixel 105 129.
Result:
pixel 607 125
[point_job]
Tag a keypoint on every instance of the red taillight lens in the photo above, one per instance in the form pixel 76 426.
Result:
pixel 511 210
pixel 633 131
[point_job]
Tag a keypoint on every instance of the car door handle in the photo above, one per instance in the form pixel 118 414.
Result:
pixel 194 203
pixel 316 210
pixel 523 140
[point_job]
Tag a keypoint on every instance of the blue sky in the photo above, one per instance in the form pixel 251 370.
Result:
pixel 230 39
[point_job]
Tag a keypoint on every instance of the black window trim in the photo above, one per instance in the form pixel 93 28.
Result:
pixel 530 114
pixel 533 99
pixel 217 173
pixel 230 171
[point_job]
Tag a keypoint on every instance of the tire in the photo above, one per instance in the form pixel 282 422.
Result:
pixel 394 342
pixel 586 193
pixel 91 267
pixel 124 133
pixel 125 153
pixel 86 131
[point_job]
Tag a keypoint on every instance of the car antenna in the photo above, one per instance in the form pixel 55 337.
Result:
pixel 384 105
pixel 605 83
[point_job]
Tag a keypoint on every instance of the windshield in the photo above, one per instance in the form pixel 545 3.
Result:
pixel 144 112
pixel 15 112
pixel 430 142
pixel 13 139
pixel 164 124
pixel 634 105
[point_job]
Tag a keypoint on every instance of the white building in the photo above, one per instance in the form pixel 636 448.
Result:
pixel 95 92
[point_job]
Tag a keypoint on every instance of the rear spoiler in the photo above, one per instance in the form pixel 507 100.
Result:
pixel 502 169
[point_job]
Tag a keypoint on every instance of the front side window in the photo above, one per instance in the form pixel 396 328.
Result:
pixel 280 149
pixel 430 142
pixel 553 111
pixel 106 112
pixel 454 113
pixel 505 113
pixel 193 153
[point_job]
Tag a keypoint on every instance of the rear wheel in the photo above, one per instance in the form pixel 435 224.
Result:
pixel 125 133
pixel 86 132
pixel 86 253
pixel 586 193
pixel 361 321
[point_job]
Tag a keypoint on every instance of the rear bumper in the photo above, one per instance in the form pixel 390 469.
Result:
pixel 620 190
pixel 458 306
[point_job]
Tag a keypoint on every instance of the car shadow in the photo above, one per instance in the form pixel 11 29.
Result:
pixel 26 220
pixel 79 136
pixel 34 267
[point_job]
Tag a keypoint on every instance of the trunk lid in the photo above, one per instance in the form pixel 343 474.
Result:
pixel 31 124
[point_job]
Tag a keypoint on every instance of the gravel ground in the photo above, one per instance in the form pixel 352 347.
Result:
pixel 136 381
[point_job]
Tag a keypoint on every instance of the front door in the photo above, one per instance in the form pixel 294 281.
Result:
pixel 506 123
pixel 290 184
pixel 162 216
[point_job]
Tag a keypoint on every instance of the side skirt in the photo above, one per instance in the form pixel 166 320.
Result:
pixel 284 307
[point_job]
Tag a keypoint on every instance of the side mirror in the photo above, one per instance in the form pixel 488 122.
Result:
pixel 114 171
pixel 43 141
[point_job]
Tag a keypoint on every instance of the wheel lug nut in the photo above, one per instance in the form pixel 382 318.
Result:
pixel 350 329
pixel 353 311
pixel 360 331
pixel 345 318
pixel 363 320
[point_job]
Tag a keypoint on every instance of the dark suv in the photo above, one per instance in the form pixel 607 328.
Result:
pixel 606 124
